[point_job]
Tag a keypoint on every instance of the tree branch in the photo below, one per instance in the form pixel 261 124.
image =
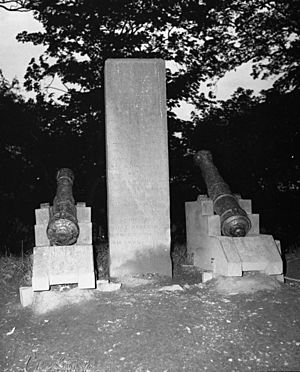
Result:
pixel 49 86
pixel 14 6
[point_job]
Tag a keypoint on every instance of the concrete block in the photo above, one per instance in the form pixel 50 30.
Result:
pixel 246 204
pixel 42 216
pixel 203 257
pixel 219 255
pixel 26 296
pixel 192 225
pixel 198 225
pixel 86 274
pixel 254 218
pixel 232 256
pixel 84 214
pixel 85 234
pixel 40 274
pixel 137 167
pixel 214 225
pixel 207 207
pixel 108 286
pixel 206 276
pixel 86 280
pixel 63 265
pixel 44 205
pixel 40 234
pixel 226 260
pixel 259 253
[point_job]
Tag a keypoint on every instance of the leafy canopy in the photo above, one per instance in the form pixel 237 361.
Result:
pixel 201 40
pixel 254 140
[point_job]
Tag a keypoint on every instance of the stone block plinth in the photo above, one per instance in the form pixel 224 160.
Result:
pixel 229 256
pixel 63 265
pixel 26 296
pixel 70 264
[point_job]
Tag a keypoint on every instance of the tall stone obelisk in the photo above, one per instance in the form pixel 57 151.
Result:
pixel 137 167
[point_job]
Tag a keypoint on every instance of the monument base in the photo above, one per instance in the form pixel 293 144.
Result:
pixel 225 255
pixel 54 265
pixel 230 256
pixel 141 260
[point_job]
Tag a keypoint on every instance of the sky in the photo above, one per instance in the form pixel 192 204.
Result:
pixel 15 57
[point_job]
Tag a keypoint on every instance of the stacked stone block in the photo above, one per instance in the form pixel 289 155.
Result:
pixel 68 264
pixel 224 255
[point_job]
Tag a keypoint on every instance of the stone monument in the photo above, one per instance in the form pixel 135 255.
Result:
pixel 137 167
pixel 63 252
pixel 222 233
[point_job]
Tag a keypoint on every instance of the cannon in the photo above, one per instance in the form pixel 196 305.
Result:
pixel 63 226
pixel 234 220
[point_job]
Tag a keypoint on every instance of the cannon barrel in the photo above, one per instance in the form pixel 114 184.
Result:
pixel 234 220
pixel 63 226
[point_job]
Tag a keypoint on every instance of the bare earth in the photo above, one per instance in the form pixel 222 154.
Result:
pixel 243 324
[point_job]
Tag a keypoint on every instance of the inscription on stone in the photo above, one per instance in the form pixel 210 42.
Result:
pixel 137 166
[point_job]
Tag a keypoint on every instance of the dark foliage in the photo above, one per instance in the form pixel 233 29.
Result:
pixel 254 140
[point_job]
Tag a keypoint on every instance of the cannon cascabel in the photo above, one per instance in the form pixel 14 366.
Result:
pixel 63 226
pixel 234 220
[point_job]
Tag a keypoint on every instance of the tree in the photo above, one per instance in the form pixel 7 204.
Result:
pixel 14 6
pixel 199 40
pixel 34 143
pixel 203 39
pixel 15 167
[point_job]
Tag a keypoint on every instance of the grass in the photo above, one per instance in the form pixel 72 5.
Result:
pixel 101 252
pixel 16 270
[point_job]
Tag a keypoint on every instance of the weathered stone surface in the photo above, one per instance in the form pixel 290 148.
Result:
pixel 26 296
pixel 137 166
pixel 40 277
pixel 85 233
pixel 83 212
pixel 106 286
pixel 63 265
pixel 254 218
pixel 42 216
pixel 226 258
pixel 229 256
pixel 246 204
pixel 40 235
pixel 259 253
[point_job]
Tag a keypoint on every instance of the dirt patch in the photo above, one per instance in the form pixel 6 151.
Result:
pixel 142 328
pixel 249 283
pixel 138 280
pixel 47 301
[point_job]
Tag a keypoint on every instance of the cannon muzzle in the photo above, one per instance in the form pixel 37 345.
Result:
pixel 63 226
pixel 234 220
